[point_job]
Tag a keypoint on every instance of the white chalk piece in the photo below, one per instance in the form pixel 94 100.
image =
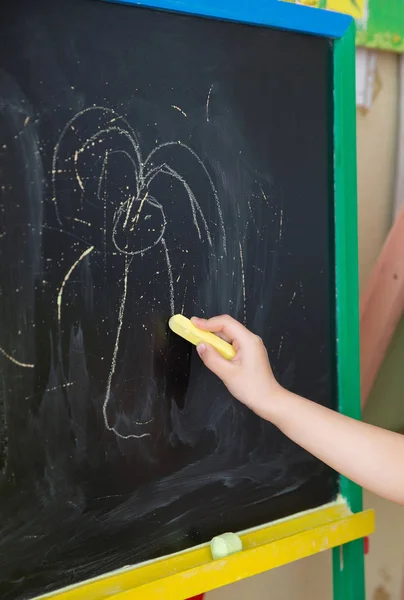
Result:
pixel 225 544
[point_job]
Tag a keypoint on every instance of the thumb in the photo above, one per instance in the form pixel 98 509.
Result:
pixel 213 360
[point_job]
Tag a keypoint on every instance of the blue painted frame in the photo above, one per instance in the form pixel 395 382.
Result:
pixel 271 13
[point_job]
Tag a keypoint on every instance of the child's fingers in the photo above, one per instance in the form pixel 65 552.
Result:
pixel 224 325
pixel 214 361
pixel 223 336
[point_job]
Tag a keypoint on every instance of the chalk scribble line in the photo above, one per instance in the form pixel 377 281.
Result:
pixel 66 279
pixel 243 284
pixel 15 361
pixel 208 102
pixel 123 224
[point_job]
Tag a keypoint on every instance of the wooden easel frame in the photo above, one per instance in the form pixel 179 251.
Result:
pixel 341 525
pixel 382 305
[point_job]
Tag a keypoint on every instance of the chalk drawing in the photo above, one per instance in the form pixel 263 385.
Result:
pixel 179 110
pixel 130 213
pixel 280 225
pixel 280 346
pixel 208 102
pixel 170 276
pixel 114 357
pixel 15 361
pixel 183 301
pixel 243 284
pixel 81 221
pixel 66 279
pixel 264 196
pixel 53 389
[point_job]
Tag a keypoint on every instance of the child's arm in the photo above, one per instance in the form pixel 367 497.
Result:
pixel 368 455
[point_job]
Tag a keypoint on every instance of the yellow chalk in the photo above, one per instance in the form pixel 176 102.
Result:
pixel 225 544
pixel 186 329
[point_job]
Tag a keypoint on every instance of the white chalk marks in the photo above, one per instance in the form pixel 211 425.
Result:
pixel 15 361
pixel 184 114
pixel 66 279
pixel 280 225
pixel 208 102
pixel 170 277
pixel 90 146
pixel 114 357
pixel 243 284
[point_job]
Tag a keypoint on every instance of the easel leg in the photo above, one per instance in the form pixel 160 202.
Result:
pixel 349 571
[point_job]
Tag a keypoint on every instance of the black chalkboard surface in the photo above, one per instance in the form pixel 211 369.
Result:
pixel 153 163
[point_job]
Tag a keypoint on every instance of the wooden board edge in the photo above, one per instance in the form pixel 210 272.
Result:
pixel 192 572
pixel 348 560
pixel 346 242
pixel 273 13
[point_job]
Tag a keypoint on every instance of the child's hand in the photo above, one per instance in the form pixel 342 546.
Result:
pixel 248 376
pixel 370 456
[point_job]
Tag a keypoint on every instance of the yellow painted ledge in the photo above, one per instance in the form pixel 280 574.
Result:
pixel 188 573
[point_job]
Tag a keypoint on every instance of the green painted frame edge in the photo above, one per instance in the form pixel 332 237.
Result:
pixel 346 239
pixel 348 560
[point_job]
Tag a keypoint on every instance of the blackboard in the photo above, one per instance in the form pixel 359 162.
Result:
pixel 153 163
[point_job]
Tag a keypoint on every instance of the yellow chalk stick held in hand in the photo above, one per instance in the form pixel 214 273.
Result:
pixel 186 329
